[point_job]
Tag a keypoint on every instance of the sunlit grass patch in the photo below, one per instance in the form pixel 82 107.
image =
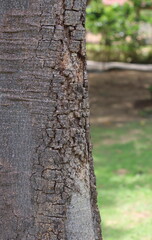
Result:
pixel 123 166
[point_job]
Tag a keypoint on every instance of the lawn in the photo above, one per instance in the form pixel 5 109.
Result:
pixel 123 167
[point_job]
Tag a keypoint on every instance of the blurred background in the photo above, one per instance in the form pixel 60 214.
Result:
pixel 119 52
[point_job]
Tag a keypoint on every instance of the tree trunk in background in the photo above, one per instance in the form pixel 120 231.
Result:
pixel 47 184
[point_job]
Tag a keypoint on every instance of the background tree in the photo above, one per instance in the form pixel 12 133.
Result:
pixel 47 182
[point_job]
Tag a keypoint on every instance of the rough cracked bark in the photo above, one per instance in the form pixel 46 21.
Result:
pixel 47 184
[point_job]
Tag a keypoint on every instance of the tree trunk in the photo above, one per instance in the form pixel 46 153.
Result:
pixel 47 184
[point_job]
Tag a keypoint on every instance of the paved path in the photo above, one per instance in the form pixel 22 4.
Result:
pixel 104 66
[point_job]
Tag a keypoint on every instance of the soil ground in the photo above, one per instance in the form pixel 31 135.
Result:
pixel 119 96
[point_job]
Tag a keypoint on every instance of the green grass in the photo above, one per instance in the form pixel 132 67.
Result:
pixel 123 167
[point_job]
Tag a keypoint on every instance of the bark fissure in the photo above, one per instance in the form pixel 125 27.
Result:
pixel 47 170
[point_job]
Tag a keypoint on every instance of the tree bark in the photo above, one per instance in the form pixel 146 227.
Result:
pixel 47 183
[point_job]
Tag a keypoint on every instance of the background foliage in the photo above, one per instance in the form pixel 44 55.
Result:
pixel 119 27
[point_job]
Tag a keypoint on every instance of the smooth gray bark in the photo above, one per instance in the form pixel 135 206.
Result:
pixel 47 184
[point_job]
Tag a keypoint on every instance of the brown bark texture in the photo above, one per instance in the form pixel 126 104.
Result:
pixel 47 183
